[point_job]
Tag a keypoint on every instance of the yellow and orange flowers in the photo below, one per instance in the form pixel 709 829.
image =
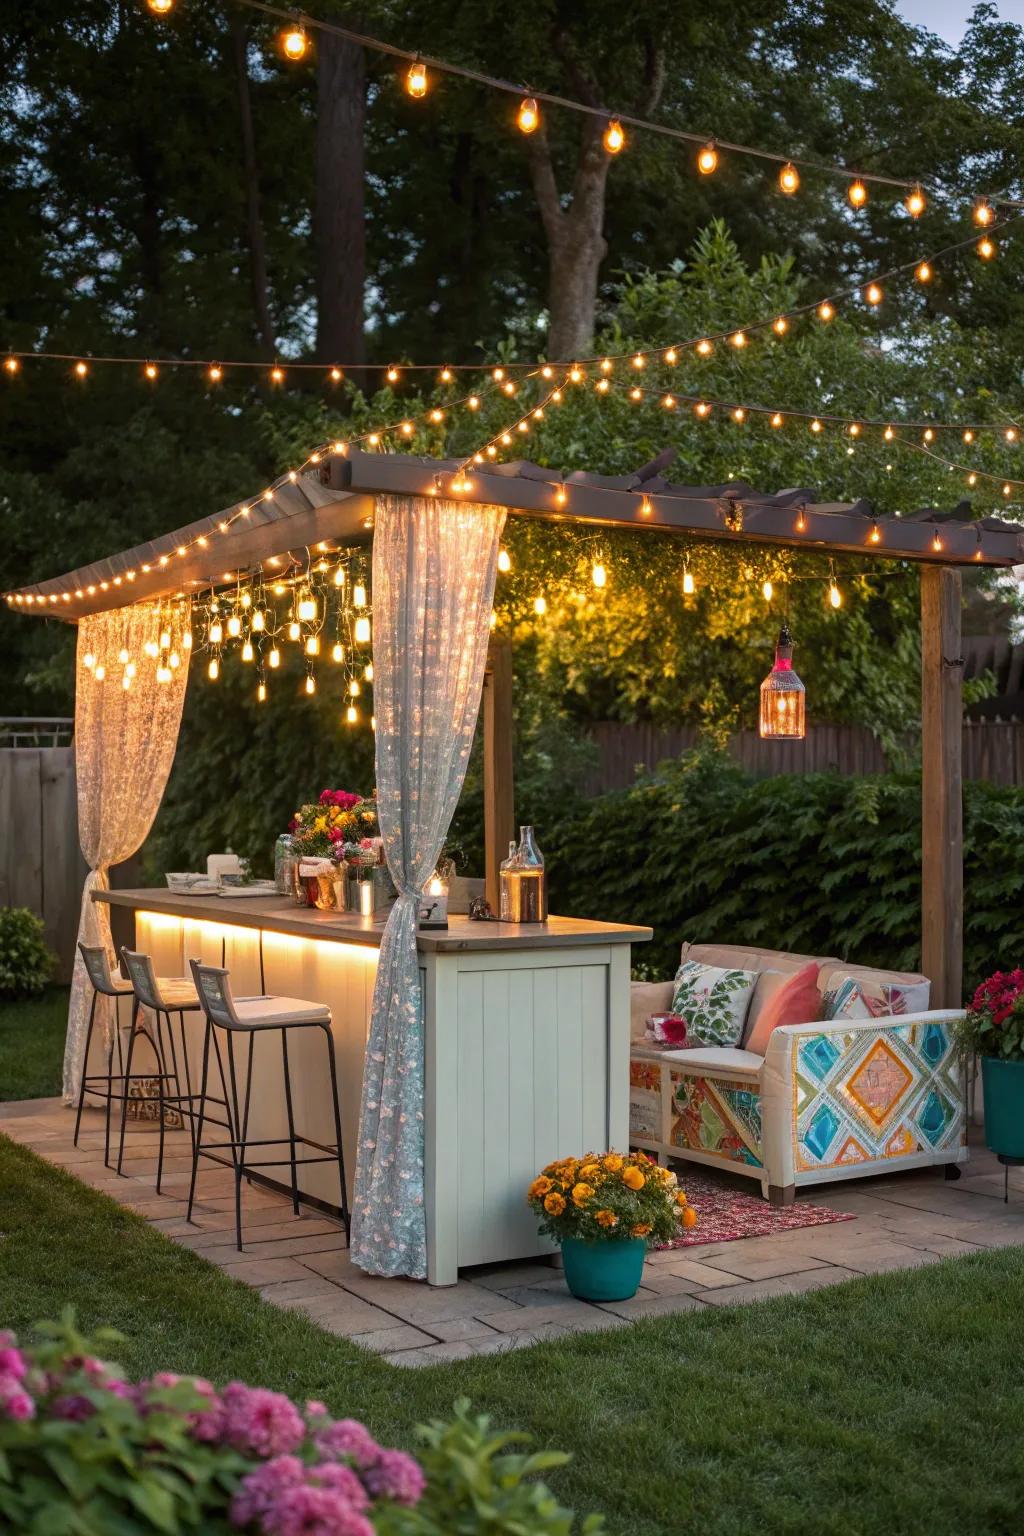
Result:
pixel 610 1195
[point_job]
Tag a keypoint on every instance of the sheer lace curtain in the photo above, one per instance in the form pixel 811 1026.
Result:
pixel 434 565
pixel 125 740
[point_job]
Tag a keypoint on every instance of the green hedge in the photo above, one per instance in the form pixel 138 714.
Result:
pixel 817 863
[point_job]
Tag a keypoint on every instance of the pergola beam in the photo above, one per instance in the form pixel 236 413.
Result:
pixel 942 870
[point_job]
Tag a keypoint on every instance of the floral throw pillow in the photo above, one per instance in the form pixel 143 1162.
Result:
pixel 713 1002
pixel 854 997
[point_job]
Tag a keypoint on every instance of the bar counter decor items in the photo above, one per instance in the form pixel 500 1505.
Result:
pixel 524 893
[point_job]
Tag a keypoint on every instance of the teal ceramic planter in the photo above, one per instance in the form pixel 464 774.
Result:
pixel 1003 1088
pixel 603 1271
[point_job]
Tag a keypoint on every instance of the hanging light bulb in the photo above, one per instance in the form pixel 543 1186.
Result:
pixel 968 436
pixel 1011 434
pixel 307 609
pixel 294 42
pixel 261 692
pixel 874 537
pixel 983 213
pixel 81 369
pixel 702 409
pixel 780 325
pixel 150 370
pixel 857 192
pixel 416 80
pixel 353 688
pixel 213 670
pixel 789 178
pixel 337 651
pixel 889 434
pixel 826 311
pixel 783 696
pixel 274 657
pixel 11 363
pixel 504 560
pixel 738 339
pixel 359 596
pixel 294 630
pixel 368 671
pixel 707 160
pixel 854 429
pixel 671 356
pixel 614 137
pixel 362 631
pixel 599 575
pixel 777 419
pixel 936 542
pixel 258 620
pixel 873 293
pixel 835 597
pixel 689 585
pixel 312 645
pixel 928 434
pixel 100 673
pixel 247 651
pixel 739 414
pixel 351 714
pixel 186 640
pixel 540 605
pixel 528 116
pixel 768 591
pixel 923 272
pixel 216 633
pixel 816 425
pixel 986 248
pixel 234 626
pixel 311 684
pixel 160 7
pixel 89 660
pixel 916 202
pixel 705 347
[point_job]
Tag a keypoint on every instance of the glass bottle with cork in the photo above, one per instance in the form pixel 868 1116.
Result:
pixel 524 893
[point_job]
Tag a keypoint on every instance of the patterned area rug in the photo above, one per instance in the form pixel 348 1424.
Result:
pixel 725 1213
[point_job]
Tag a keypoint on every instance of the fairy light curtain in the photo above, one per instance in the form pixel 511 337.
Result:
pixel 125 738
pixel 434 567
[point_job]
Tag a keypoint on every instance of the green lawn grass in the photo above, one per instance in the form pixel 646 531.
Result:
pixel 32 1046
pixel 893 1405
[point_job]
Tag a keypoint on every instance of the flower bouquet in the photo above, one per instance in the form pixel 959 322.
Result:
pixel 993 1028
pixel 321 831
pixel 604 1209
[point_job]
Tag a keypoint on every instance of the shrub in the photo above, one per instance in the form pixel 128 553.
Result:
pixel 26 962
pixel 87 1453
pixel 994 1022
pixel 819 863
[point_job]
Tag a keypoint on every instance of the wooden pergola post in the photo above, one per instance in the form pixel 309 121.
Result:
pixel 499 795
pixel 942 867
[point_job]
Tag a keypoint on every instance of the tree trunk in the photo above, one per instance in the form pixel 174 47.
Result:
pixel 576 243
pixel 339 215
pixel 253 215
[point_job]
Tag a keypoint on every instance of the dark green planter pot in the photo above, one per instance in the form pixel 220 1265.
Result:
pixel 603 1271
pixel 1003 1088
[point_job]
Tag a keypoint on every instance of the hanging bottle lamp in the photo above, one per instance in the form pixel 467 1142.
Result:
pixel 783 695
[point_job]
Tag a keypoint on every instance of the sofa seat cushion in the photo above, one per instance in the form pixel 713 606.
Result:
pixel 717 1060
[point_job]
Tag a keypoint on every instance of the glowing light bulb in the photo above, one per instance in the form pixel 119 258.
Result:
pixel 768 591
pixel 983 213
pixel 929 435
pixel 247 651
pixel 599 574
pixel 151 370
pixel 835 597
pixel 614 137
pixel 213 670
pixel 362 631
pixel 874 536
pixel 122 655
pixel 916 202
pixel 234 626
pixel 100 673
pixel 923 272
pixel 540 605
pixel 351 714
pixel 160 7
pixel 936 541
pixel 416 80
pixel 307 610
pixel 968 436
pixel 337 651
pixel 261 692
pixel 258 620
pixel 854 429
pixel 671 356
pixel 816 425
pixel 473 402
pixel 81 369
pixel 702 409
pixel 353 688
pixel 707 160
pixel 11 363
pixel 359 596
pixel 705 347
pixel 311 684
pixel 560 496
pixel 777 419
pixel 126 681
pixel 780 325
pixel 888 434
pixel 336 375
pixel 216 634
pixel 312 645
pixel 186 640
pixel 528 116
pixel 738 339
pixel 294 630
pixel 826 311
pixel 636 393
pixel 739 414
pixel 986 248
pixel 801 522
pixel 504 560
pixel 89 660
pixel 294 43
pixel 368 671
pixel 274 657
pixel 873 293
pixel 789 178
pixel 575 373
pixel 215 373
pixel 857 192
pixel 1011 434
pixel 1007 490
pixel 669 402
pixel 689 585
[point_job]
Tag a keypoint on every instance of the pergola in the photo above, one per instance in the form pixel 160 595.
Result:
pixel 334 503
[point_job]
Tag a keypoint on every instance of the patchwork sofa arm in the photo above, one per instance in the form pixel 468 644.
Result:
pixel 856 1092
pixel 645 998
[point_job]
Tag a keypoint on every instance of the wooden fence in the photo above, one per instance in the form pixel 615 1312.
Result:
pixel 41 865
pixel 993 750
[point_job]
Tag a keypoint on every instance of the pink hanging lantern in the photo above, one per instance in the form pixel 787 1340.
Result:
pixel 783 695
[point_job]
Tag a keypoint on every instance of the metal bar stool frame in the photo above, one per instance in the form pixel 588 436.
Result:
pixel 169 1094
pixel 214 989
pixel 97 966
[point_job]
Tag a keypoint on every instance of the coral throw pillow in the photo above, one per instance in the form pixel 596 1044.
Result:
pixel 798 1002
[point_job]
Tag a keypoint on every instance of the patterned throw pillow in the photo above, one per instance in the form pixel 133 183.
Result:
pixel 713 1002
pixel 854 997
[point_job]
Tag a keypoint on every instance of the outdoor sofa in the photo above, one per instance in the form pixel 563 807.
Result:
pixel 828 1100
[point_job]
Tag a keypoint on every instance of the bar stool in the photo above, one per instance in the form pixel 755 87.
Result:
pixel 248 1017
pixel 163 997
pixel 104 984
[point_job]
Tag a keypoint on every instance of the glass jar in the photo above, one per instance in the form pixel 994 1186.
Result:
pixel 524 883
pixel 505 884
pixel 284 860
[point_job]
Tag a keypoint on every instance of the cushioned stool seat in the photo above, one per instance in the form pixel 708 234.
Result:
pixel 268 1012
pixel 717 1058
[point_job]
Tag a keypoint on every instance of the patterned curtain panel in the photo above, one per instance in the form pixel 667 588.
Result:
pixel 124 747
pixel 434 565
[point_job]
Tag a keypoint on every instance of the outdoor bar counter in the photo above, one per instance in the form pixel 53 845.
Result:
pixel 526 1031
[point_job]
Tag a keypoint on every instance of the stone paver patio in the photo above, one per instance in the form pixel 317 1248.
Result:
pixel 301 1262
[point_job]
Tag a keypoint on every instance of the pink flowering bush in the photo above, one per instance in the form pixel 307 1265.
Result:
pixel 994 1021
pixel 83 1451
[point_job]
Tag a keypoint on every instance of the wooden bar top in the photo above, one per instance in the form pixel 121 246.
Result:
pixel 273 914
